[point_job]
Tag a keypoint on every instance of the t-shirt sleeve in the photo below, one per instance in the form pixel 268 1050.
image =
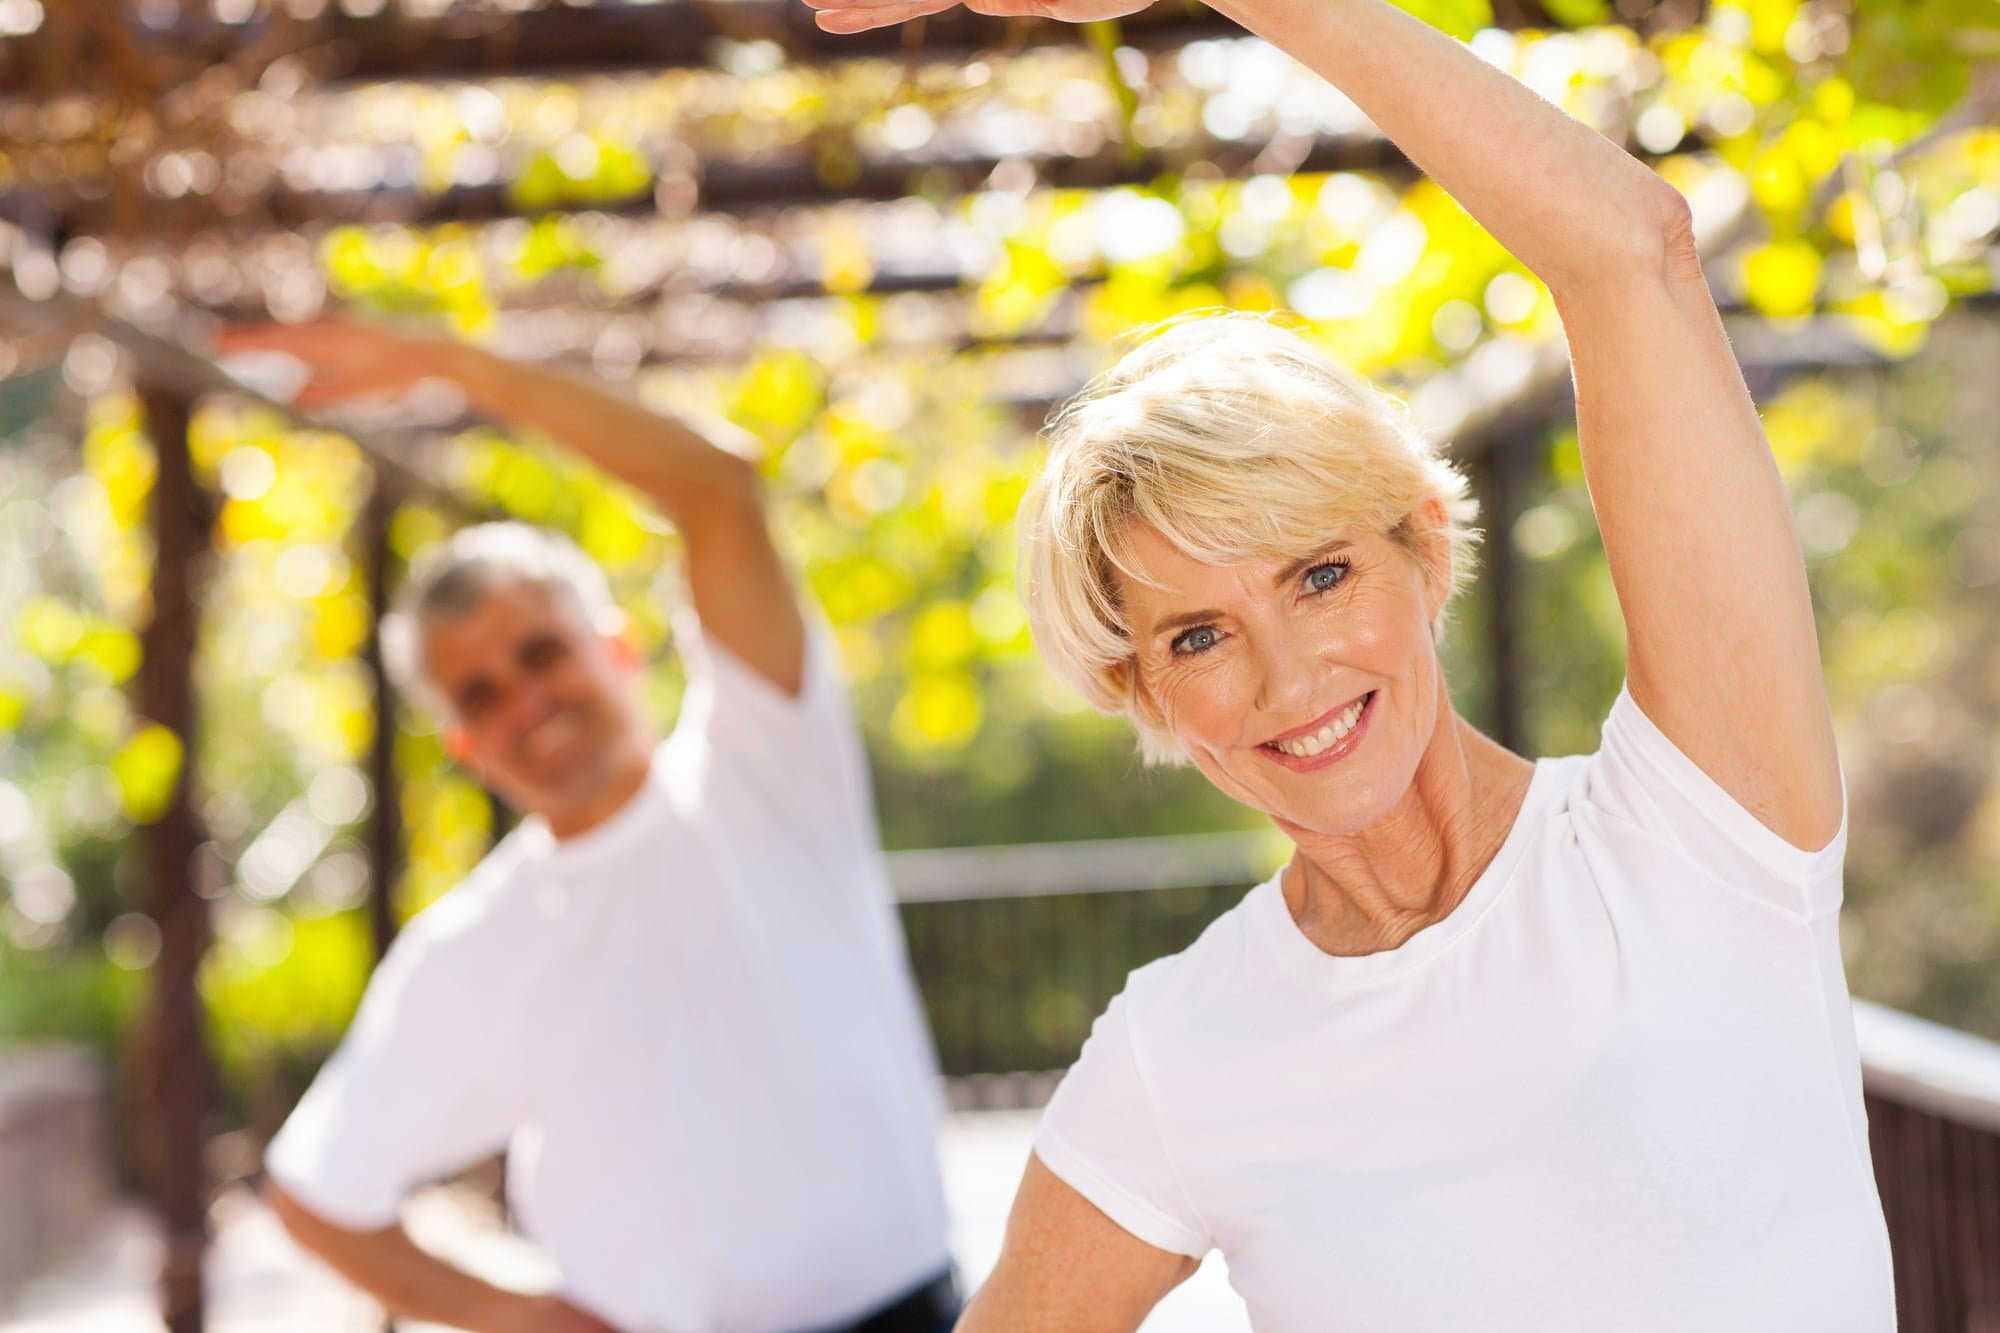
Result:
pixel 1101 1136
pixel 802 752
pixel 416 1091
pixel 1640 775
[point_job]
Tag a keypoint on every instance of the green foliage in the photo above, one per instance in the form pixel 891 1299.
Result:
pixel 75 996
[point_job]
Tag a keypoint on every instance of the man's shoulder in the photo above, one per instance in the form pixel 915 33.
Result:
pixel 482 910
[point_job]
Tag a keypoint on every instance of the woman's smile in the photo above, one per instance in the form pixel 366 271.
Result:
pixel 1325 741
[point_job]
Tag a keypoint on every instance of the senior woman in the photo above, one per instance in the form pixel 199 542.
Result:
pixel 1561 1045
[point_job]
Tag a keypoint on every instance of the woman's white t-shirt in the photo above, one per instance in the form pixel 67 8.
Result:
pixel 1615 1089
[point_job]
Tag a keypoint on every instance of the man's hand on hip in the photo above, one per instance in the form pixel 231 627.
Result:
pixel 553 1314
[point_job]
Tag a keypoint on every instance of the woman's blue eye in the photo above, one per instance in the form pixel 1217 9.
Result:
pixel 1322 577
pixel 1197 640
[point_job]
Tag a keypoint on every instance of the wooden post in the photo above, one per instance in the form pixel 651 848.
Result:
pixel 1499 476
pixel 177 1075
pixel 385 822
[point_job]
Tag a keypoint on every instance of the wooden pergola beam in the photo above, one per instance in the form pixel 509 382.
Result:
pixel 796 179
pixel 560 41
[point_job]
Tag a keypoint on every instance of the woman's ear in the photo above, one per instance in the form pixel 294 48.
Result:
pixel 1428 530
pixel 457 743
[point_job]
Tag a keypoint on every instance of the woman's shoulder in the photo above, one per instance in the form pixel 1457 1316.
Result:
pixel 1221 968
pixel 1638 786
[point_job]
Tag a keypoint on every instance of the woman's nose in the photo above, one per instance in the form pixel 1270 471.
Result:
pixel 1288 675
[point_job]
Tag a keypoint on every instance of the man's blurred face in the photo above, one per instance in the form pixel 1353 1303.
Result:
pixel 544 707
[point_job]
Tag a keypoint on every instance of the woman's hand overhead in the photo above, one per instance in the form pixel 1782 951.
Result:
pixel 861 15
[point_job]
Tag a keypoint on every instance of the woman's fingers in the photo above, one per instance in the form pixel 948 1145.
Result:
pixel 861 15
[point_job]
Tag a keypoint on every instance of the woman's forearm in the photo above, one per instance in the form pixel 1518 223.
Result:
pixel 1563 199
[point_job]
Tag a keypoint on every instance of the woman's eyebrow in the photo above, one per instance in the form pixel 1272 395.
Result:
pixel 1303 563
pixel 1185 620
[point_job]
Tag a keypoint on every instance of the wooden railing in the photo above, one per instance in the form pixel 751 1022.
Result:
pixel 1934 1131
pixel 1018 948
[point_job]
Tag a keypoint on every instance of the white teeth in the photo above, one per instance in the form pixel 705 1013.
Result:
pixel 551 735
pixel 1305 747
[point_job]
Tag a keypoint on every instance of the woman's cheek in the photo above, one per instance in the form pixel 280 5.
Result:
pixel 1215 699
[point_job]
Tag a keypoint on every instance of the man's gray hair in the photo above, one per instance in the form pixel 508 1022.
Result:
pixel 456 575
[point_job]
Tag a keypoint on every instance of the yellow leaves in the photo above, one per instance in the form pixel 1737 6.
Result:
pixel 1781 278
pixel 1885 323
pixel 49 628
pixel 1460 18
pixel 400 271
pixel 1833 100
pixel 776 396
pixel 413 528
pixel 1770 20
pixel 111 651
pixel 339 625
pixel 1812 425
pixel 939 711
pixel 861 586
pixel 846 261
pixel 278 982
pixel 1018 291
pixel 350 262
pixel 943 636
pixel 147 770
pixel 580 168
pixel 553 244
pixel 611 533
pixel 119 456
pixel 1779 184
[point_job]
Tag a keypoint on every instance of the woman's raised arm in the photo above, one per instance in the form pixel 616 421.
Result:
pixel 1721 649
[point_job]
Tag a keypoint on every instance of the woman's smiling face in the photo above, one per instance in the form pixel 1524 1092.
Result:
pixel 1307 688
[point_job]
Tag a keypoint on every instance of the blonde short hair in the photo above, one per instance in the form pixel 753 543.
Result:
pixel 1236 439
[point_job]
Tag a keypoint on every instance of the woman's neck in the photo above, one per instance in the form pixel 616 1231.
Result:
pixel 1367 892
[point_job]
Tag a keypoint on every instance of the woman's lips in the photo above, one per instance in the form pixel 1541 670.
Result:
pixel 1340 749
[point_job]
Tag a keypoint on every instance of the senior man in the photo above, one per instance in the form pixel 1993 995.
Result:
pixel 677 993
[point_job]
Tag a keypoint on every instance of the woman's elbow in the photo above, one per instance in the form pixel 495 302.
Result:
pixel 1654 237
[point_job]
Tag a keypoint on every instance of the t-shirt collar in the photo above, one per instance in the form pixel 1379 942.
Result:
pixel 1300 956
pixel 610 838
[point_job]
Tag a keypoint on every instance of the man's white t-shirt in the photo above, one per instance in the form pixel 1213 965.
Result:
pixel 1615 1089
pixel 693 1027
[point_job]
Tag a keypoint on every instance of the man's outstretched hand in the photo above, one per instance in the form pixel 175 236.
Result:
pixel 346 360
pixel 861 15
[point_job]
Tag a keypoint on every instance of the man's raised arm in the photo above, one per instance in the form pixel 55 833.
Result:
pixel 699 476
